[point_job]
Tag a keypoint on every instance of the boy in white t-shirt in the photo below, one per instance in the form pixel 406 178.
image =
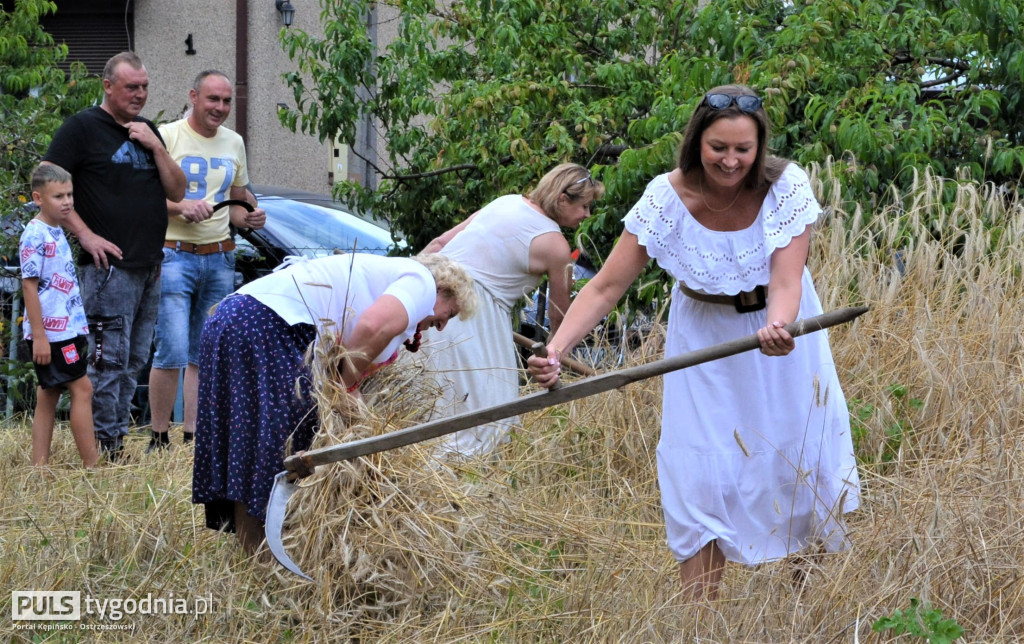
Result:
pixel 55 328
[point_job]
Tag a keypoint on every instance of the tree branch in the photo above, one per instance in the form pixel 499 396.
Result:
pixel 941 81
pixel 605 150
pixel 433 173
pixel 904 59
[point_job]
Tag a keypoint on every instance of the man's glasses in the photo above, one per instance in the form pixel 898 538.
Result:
pixel 745 102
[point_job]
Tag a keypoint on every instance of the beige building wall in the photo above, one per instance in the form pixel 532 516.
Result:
pixel 276 155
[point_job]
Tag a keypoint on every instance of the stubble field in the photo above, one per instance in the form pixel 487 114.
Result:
pixel 561 538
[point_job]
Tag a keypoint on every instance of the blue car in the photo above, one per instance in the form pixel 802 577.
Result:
pixel 308 224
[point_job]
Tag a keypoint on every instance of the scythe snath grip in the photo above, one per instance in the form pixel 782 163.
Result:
pixel 302 464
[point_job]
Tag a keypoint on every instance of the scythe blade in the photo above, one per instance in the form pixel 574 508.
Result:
pixel 279 496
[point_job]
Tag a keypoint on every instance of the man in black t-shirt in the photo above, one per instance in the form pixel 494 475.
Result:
pixel 123 176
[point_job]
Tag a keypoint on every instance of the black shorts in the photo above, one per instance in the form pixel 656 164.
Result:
pixel 68 360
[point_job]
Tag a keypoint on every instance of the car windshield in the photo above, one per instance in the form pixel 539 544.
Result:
pixel 316 231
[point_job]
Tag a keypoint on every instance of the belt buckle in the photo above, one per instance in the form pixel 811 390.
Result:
pixel 750 301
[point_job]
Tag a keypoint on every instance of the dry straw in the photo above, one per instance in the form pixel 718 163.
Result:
pixel 560 537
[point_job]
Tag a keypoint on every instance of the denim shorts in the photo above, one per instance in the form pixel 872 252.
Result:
pixel 189 285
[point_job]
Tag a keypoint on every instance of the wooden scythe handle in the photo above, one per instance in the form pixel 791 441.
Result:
pixel 308 461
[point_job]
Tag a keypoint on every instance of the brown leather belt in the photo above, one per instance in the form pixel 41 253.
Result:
pixel 202 249
pixel 744 301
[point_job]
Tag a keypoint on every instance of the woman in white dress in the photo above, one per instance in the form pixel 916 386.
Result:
pixel 755 460
pixel 507 247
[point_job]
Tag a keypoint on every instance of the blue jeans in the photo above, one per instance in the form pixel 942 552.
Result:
pixel 121 306
pixel 189 285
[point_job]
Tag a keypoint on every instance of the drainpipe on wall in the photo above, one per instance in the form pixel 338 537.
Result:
pixel 241 102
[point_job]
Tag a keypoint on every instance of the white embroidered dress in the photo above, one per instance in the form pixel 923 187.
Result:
pixel 798 474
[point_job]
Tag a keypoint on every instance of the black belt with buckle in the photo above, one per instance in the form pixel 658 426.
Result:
pixel 744 301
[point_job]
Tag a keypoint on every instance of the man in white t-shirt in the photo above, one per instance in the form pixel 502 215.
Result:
pixel 198 267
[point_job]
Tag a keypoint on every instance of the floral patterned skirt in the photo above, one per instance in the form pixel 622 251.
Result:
pixel 250 410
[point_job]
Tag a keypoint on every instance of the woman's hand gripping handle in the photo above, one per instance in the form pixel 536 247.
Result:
pixel 544 366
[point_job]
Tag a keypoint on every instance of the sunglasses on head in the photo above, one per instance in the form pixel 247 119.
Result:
pixel 745 102
pixel 579 181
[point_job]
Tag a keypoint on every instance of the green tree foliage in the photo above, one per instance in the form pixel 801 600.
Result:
pixel 480 97
pixel 35 97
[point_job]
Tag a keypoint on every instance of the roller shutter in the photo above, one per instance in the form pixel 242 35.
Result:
pixel 93 30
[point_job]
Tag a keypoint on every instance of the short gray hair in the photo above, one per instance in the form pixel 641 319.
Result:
pixel 129 57
pixel 203 75
pixel 48 173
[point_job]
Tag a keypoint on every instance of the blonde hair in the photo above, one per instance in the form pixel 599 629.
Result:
pixel 452 280
pixel 570 179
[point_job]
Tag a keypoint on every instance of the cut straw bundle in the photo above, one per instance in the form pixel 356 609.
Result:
pixel 378 531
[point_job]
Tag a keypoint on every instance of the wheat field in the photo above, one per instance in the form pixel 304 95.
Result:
pixel 561 538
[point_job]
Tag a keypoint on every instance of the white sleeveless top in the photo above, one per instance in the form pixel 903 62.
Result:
pixel 495 247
